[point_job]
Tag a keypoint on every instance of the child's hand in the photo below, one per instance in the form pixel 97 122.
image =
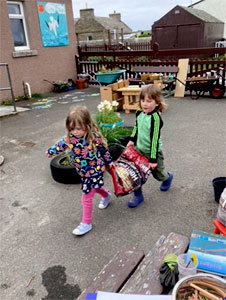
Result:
pixel 108 167
pixel 48 155
pixel 111 165
pixel 152 166
pixel 130 144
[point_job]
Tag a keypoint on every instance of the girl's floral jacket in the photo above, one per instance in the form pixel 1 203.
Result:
pixel 89 163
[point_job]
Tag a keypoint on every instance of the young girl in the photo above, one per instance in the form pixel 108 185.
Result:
pixel 89 153
pixel 146 137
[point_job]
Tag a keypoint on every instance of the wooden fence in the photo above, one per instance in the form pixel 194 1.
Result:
pixel 119 46
pixel 198 62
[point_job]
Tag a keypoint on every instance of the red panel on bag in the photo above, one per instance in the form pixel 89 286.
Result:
pixel 130 171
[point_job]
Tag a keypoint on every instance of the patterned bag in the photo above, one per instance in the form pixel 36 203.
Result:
pixel 129 172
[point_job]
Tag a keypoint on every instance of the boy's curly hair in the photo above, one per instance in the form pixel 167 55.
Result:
pixel 153 92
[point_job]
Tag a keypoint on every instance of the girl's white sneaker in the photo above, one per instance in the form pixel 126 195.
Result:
pixel 82 228
pixel 104 201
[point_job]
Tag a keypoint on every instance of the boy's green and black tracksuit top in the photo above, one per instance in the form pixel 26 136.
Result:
pixel 146 134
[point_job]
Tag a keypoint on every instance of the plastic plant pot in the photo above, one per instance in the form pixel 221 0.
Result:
pixel 112 125
pixel 219 184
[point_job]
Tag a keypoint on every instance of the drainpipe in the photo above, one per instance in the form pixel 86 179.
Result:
pixel 27 85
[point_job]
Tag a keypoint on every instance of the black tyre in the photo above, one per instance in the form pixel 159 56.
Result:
pixel 217 92
pixel 61 173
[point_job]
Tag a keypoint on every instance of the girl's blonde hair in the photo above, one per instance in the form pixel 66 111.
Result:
pixel 80 116
pixel 153 92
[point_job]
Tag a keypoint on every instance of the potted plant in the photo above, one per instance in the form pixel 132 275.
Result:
pixel 107 115
pixel 108 76
pixel 63 170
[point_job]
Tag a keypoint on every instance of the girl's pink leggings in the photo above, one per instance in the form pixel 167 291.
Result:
pixel 87 203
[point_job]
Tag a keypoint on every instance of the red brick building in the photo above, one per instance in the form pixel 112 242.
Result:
pixel 23 49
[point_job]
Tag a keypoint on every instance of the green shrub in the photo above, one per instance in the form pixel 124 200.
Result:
pixel 94 58
pixel 142 58
pixel 6 102
pixel 145 34
pixel 113 135
pixel 104 70
pixel 21 98
pixel 36 96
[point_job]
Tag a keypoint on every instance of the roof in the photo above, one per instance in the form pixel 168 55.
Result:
pixel 202 15
pixel 110 23
pixel 195 3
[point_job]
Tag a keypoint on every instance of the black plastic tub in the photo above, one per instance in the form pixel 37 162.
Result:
pixel 219 184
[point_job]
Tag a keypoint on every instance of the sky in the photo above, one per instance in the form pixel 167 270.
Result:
pixel 137 14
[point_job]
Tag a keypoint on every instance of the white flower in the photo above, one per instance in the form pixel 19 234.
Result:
pixel 100 107
pixel 107 105
pixel 114 103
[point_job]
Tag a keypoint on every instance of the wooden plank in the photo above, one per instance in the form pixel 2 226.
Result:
pixel 130 89
pixel 115 86
pixel 156 69
pixel 145 280
pixel 120 83
pixel 114 274
pixel 106 93
pixel 182 76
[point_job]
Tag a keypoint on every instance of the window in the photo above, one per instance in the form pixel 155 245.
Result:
pixel 18 25
pixel 90 38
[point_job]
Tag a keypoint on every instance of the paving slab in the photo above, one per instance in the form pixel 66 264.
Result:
pixel 9 110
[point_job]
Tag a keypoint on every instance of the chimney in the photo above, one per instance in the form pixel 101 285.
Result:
pixel 116 16
pixel 87 13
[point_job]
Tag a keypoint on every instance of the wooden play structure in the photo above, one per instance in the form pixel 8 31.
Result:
pixel 110 92
pixel 126 92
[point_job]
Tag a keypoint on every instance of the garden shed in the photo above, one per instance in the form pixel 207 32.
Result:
pixel 185 27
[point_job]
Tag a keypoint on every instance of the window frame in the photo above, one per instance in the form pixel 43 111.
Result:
pixel 20 16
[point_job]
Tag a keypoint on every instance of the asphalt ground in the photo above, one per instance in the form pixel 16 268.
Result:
pixel 40 258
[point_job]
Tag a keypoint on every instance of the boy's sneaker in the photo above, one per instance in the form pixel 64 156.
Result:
pixel 136 200
pixel 82 229
pixel 104 201
pixel 167 183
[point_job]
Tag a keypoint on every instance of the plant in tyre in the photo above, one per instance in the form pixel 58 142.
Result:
pixel 67 161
